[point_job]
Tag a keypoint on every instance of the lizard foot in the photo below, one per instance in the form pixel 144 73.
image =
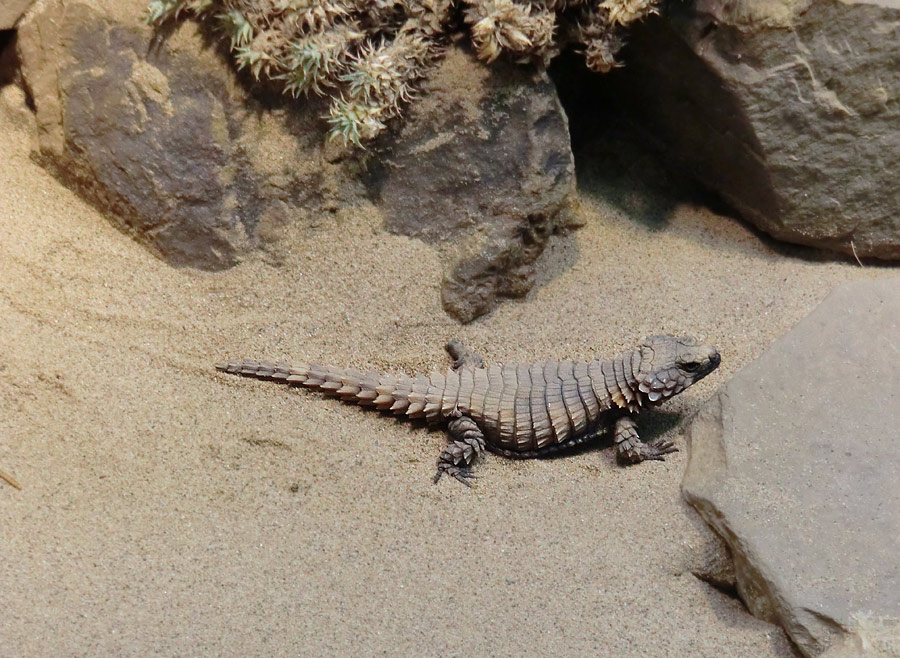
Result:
pixel 466 445
pixel 640 452
pixel 460 473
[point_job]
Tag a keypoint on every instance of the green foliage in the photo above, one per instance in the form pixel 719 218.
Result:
pixel 368 55
pixel 237 27
pixel 160 11
pixel 315 61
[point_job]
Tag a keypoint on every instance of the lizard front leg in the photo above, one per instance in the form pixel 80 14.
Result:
pixel 466 444
pixel 629 447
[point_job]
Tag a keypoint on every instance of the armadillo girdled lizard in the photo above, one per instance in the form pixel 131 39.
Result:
pixel 519 411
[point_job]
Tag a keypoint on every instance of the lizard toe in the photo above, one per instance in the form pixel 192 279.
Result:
pixel 459 473
pixel 656 451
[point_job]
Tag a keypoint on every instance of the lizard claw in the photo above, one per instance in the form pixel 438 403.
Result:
pixel 655 451
pixel 663 447
pixel 459 473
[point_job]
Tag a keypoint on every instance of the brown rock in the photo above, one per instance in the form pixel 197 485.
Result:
pixel 482 167
pixel 164 139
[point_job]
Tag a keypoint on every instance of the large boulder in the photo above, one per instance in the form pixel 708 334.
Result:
pixel 162 136
pixel 795 464
pixel 790 110
pixel 481 167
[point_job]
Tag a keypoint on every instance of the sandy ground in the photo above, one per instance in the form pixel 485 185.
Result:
pixel 168 510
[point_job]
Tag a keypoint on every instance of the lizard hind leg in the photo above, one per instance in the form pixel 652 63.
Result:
pixel 463 356
pixel 466 445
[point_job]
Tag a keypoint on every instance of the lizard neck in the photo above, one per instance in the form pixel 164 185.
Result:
pixel 631 364
pixel 619 380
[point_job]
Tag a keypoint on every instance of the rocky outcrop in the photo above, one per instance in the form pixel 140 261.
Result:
pixel 481 167
pixel 789 110
pixel 11 11
pixel 163 138
pixel 794 464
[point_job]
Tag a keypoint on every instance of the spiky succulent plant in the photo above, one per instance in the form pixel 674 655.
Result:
pixel 368 55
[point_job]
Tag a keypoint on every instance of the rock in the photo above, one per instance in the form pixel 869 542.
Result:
pixel 789 110
pixel 164 139
pixel 203 169
pixel 795 464
pixel 11 11
pixel 14 111
pixel 481 166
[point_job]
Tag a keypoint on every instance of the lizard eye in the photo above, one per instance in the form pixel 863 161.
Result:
pixel 690 366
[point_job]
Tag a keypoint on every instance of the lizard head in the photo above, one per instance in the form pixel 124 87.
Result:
pixel 669 364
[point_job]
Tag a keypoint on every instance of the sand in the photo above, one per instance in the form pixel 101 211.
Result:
pixel 168 510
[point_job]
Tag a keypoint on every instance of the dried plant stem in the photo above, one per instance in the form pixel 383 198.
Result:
pixel 10 480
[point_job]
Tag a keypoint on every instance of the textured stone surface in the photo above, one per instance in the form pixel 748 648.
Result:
pixel 162 138
pixel 11 11
pixel 790 110
pixel 795 464
pixel 482 167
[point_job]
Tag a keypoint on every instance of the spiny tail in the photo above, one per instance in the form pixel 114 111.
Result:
pixel 415 397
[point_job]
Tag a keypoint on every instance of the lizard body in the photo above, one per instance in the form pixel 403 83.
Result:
pixel 519 411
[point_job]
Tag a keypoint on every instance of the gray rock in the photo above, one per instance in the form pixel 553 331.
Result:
pixel 11 11
pixel 790 110
pixel 164 139
pixel 482 167
pixel 795 464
